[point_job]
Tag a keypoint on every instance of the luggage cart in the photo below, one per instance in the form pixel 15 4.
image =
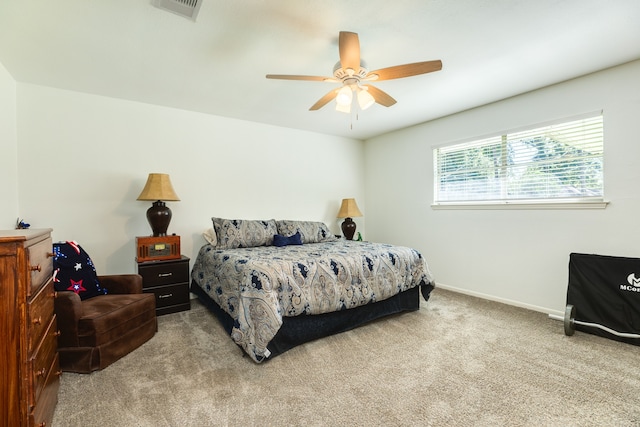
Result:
pixel 603 297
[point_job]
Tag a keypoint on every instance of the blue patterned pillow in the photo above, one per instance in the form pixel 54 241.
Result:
pixel 310 231
pixel 244 233
pixel 280 240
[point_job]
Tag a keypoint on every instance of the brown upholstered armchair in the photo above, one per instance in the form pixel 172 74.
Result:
pixel 98 331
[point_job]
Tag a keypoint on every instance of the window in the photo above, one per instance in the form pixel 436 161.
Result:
pixel 554 164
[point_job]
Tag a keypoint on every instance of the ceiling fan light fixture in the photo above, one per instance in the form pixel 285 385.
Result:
pixel 345 96
pixel 343 108
pixel 351 70
pixel 365 100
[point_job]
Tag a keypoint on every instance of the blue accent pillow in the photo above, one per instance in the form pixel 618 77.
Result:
pixel 310 231
pixel 74 271
pixel 280 240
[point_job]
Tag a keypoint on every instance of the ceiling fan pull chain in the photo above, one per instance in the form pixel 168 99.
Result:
pixel 354 111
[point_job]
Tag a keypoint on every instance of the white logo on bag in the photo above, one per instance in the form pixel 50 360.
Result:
pixel 634 284
pixel 633 280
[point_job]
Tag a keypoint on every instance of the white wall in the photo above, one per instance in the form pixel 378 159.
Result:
pixel 516 256
pixel 8 151
pixel 83 160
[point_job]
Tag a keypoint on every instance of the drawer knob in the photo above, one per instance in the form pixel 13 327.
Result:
pixel 42 424
pixel 165 296
pixel 35 268
pixel 41 372
pixel 57 333
pixel 37 320
pixel 164 274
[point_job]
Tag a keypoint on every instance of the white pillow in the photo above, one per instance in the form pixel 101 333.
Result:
pixel 210 236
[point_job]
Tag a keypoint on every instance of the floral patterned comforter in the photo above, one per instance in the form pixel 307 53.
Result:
pixel 258 286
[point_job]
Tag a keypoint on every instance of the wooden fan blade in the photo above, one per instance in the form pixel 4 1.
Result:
pixel 294 77
pixel 324 100
pixel 406 70
pixel 349 46
pixel 380 96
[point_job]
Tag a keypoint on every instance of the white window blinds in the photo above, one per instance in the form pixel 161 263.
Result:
pixel 552 163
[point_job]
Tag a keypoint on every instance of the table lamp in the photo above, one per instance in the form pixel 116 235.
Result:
pixel 159 189
pixel 349 209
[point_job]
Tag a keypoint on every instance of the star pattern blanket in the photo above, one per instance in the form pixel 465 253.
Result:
pixel 258 286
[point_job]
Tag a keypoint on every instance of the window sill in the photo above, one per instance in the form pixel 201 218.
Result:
pixel 601 204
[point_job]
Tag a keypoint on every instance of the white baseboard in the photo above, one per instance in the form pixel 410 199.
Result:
pixel 552 313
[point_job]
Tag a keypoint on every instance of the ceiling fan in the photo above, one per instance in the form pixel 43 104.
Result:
pixel 352 71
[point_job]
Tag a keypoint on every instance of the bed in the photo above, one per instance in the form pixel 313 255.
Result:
pixel 277 284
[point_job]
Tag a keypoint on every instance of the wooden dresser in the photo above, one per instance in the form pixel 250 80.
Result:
pixel 29 373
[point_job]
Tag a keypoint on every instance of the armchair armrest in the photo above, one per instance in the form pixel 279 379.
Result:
pixel 68 309
pixel 122 283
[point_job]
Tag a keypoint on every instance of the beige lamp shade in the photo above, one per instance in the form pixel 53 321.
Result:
pixel 158 187
pixel 349 209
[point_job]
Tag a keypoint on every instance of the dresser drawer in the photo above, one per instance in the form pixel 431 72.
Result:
pixel 40 309
pixel 40 261
pixel 42 361
pixel 164 273
pixel 42 413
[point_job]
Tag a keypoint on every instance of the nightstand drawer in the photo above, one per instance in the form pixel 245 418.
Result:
pixel 169 281
pixel 170 294
pixel 163 273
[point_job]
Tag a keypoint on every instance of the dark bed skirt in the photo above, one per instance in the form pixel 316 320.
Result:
pixel 301 329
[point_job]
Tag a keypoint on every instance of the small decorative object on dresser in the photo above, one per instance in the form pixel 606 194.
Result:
pixel 29 371
pixel 169 281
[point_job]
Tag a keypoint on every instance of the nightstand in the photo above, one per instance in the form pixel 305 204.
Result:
pixel 169 281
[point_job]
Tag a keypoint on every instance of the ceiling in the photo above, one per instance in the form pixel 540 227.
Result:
pixel 490 50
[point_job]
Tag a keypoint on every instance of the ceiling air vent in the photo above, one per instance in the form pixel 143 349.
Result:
pixel 187 8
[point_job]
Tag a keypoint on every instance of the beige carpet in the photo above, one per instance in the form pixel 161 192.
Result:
pixel 459 361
